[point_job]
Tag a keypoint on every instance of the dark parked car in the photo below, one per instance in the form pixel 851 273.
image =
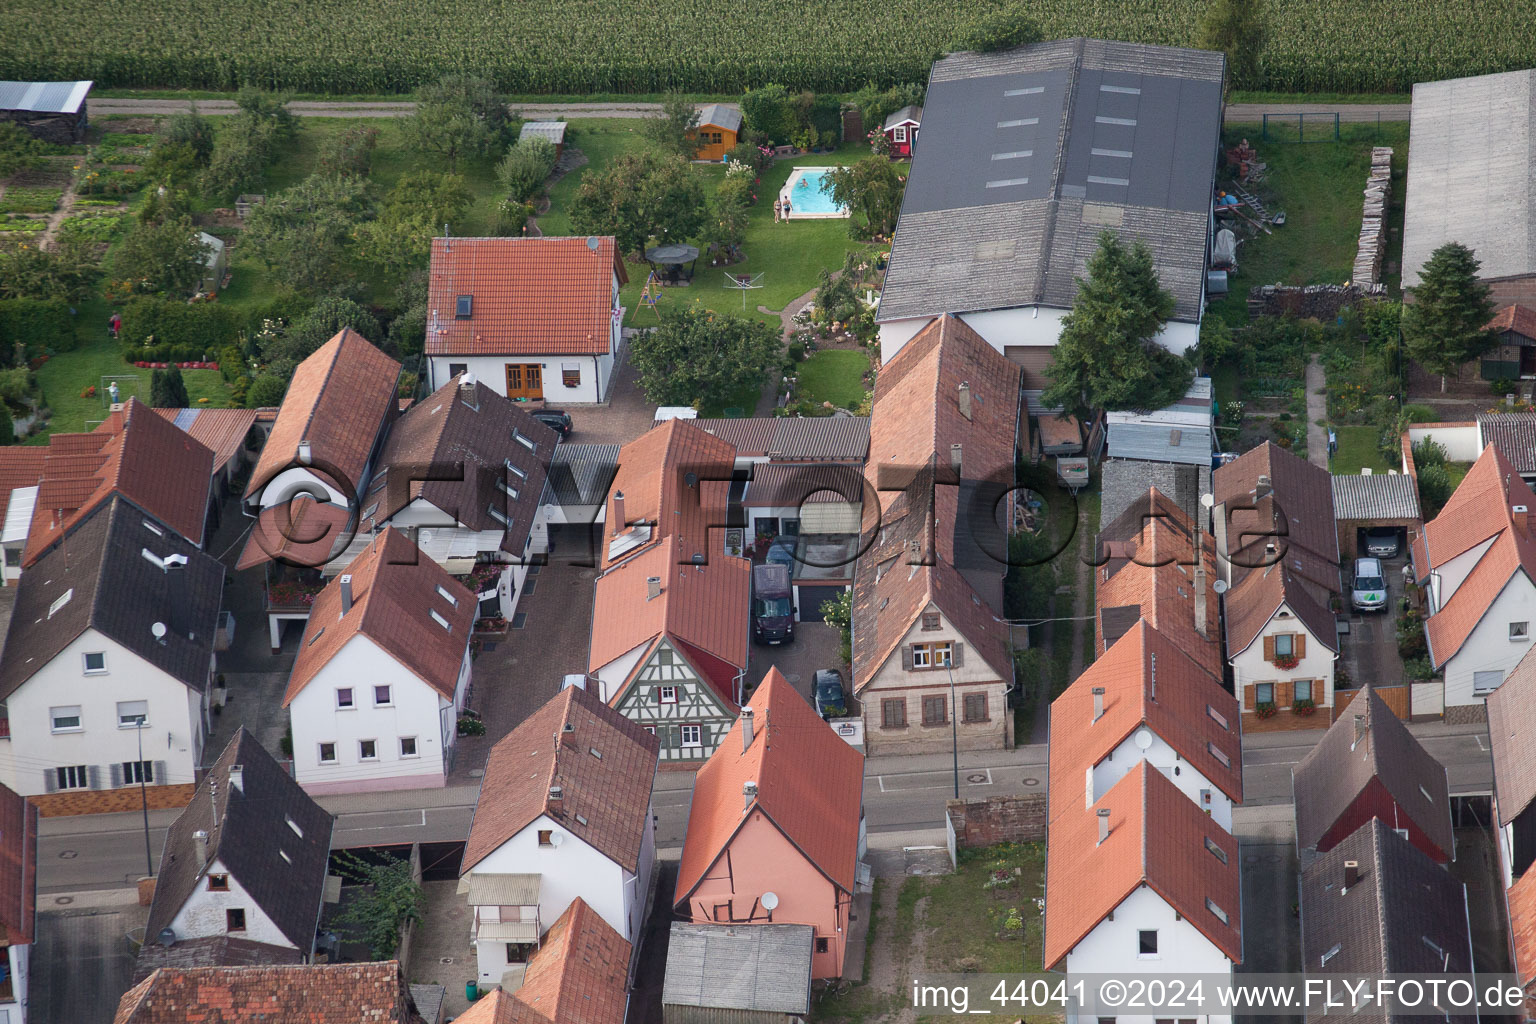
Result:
pixel 829 694
pixel 1381 542
pixel 554 419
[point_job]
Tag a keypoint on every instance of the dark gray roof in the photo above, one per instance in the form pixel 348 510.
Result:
pixel 1032 153
pixel 1515 435
pixel 101 577
pixel 764 967
pixel 1114 622
pixel 1511 724
pixel 43 97
pixel 1335 772
pixel 1378 496
pixel 910 112
pixel 1124 483
pixel 720 116
pixel 1404 915
pixel 794 438
pixel 579 474
pixel 280 866
pixel 212 951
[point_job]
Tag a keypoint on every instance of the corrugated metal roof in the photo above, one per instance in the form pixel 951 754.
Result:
pixel 1378 496
pixel 1157 442
pixel 549 131
pixel 43 97
pixel 18 514
pixel 1515 435
pixel 500 890
pixel 580 474
pixel 719 115
pixel 739 967
pixel 794 438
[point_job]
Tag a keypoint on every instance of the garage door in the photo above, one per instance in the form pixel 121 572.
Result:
pixel 809 600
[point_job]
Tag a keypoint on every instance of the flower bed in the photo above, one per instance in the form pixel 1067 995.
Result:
pixel 294 593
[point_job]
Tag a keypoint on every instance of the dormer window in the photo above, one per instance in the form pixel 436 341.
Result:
pixel 463 306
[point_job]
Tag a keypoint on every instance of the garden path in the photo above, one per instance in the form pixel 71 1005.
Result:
pixel 1317 412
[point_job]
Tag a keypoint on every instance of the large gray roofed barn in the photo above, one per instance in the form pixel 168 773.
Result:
pixel 1029 154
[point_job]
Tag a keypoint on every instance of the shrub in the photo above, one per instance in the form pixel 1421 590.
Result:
pixel 266 390
pixel 1434 490
pixel 36 324
pixel 523 171
pixel 1420 414
pixel 1501 386
pixel 1428 452
pixel 200 327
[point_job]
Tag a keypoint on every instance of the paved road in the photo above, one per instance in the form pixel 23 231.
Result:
pixel 1237 113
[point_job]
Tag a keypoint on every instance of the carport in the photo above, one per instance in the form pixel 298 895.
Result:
pixel 1370 500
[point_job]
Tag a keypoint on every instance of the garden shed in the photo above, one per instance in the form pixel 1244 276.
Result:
pixel 214 264
pixel 1374 499
pixel 900 130
pixel 51 111
pixel 552 132
pixel 719 125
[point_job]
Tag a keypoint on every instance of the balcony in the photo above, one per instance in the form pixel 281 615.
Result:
pixel 292 593
pixel 506 909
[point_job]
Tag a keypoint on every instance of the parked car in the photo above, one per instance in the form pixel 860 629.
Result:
pixel 828 691
pixel 1369 591
pixel 554 419
pixel 773 606
pixel 1382 542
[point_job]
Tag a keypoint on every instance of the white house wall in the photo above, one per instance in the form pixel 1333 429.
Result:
pixel 203 916
pixel 1111 947
pixel 1489 647
pixel 1446 579
pixel 596 372
pixel 1249 666
pixel 1190 781
pixel 417 710
pixel 612 675
pixel 1029 326
pixel 18 957
pixel 174 734
pixel 572 869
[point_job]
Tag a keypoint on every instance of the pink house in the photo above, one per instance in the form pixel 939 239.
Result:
pixel 776 829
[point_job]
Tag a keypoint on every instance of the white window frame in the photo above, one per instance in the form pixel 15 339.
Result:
pixel 697 732
pixel 1479 689
pixel 415 747
pixel 85 663
pixel 666 694
pixel 444 593
pixel 320 752
pixel 389 695
pixel 1519 631
pixel 367 757
pixel 123 721
pixel 132 770
pixel 922 656
pixel 54 716
pixel 438 618
pixel 899 133
pixel 71 776
pixel 351 704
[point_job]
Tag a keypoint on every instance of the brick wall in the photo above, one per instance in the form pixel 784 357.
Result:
pixel 111 801
pixel 998 819
pixel 1396 697
pixel 1285 720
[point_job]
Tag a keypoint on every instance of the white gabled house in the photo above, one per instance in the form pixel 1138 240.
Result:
pixel 564 813
pixel 1282 645
pixel 382 673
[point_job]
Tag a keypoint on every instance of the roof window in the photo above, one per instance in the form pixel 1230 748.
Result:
pixel 523 439
pixel 60 602
pixel 443 593
pixel 463 306
pixel 437 618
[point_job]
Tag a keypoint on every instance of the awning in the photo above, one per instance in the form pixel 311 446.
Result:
pixel 500 890
pixel 522 931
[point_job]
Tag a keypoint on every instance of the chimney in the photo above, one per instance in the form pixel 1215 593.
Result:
pixel 1098 703
pixel 965 399
pixel 1103 825
pixel 746 729
pixel 1200 613
pixel 201 838
pixel 618 513
pixel 1262 488
pixel 1351 873
pixel 237 777
pixel 305 453
pixel 346 592
pixel 556 803
pixel 652 587
pixel 748 794
pixel 1522 517
pixel 954 460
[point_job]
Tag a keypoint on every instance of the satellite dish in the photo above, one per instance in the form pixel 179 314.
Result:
pixel 167 937
pixel 158 630
pixel 556 838
pixel 1220 586
pixel 770 900
pixel 691 479
pixel 1207 499
pixel 1143 738
pixel 593 243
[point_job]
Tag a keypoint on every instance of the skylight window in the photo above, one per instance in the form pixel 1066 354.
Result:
pixel 152 528
pixel 295 826
pixel 437 618
pixel 463 306
pixel 595 753
pixel 519 473
pixel 1221 915
pixel 507 489
pixel 1332 952
pixel 60 602
pixel 443 593
pixel 1219 754
pixel 317 636
pixel 1216 850
pixel 581 819
pixel 524 440
pixel 498 515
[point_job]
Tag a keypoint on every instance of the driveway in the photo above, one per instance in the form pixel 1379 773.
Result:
pixel 82 963
pixel 1368 652
pixel 626 416
pixel 441 953
pixel 814 647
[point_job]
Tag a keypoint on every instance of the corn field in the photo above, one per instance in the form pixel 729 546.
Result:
pixel 713 46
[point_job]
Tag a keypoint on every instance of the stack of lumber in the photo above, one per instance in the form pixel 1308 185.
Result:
pixel 1373 227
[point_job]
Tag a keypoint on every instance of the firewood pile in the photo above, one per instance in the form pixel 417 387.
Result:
pixel 1316 301
pixel 1373 228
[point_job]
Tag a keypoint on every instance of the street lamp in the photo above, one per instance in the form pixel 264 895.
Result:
pixel 139 722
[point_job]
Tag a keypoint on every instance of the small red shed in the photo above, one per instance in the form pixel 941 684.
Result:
pixel 901 130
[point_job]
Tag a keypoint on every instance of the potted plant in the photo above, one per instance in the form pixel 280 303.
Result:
pixel 1264 709
pixel 1303 707
pixel 1286 661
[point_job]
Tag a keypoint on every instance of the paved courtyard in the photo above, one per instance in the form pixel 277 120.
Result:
pixel 441 953
pixel 82 963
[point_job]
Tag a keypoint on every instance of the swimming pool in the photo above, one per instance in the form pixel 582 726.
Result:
pixel 806 199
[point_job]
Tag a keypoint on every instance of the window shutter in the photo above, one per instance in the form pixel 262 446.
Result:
pixel 1283 693
pixel 116 769
pixel 159 779
pixel 50 780
pixel 1300 645
pixel 1269 648
pixel 1248 691
pixel 957 654
pixel 93 775
pixel 906 658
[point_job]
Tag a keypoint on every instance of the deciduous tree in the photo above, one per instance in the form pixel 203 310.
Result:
pixel 871 189
pixel 700 355
pixel 1106 356
pixel 414 211
pixel 305 235
pixel 523 171
pixel 313 329
pixel 460 116
pixel 640 197
pixel 163 256
pixel 1447 322
pixel 674 131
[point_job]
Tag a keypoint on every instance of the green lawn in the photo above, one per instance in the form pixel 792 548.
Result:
pixel 1357 451
pixel 1320 187
pixel 836 376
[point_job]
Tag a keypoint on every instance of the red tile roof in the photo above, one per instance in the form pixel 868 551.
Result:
pixel 1141 663
pixel 1521 897
pixel 133 453
pixel 395 590
pixel 704 606
pixel 221 431
pixel 311 994
pixel 301 532
pixel 1514 317
pixel 577 976
pixel 1157 838
pixel 809 785
pixel 1157 576
pixel 20 466
pixel 1254 601
pixel 18 869
pixel 1479 509
pixel 339 400
pixel 653 477
pixel 1297 516
pixel 530 296
pixel 612 792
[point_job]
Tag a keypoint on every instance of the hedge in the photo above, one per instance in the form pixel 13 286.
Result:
pixel 42 325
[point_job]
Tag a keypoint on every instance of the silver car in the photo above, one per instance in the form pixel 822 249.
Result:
pixel 1369 591
pixel 1381 541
